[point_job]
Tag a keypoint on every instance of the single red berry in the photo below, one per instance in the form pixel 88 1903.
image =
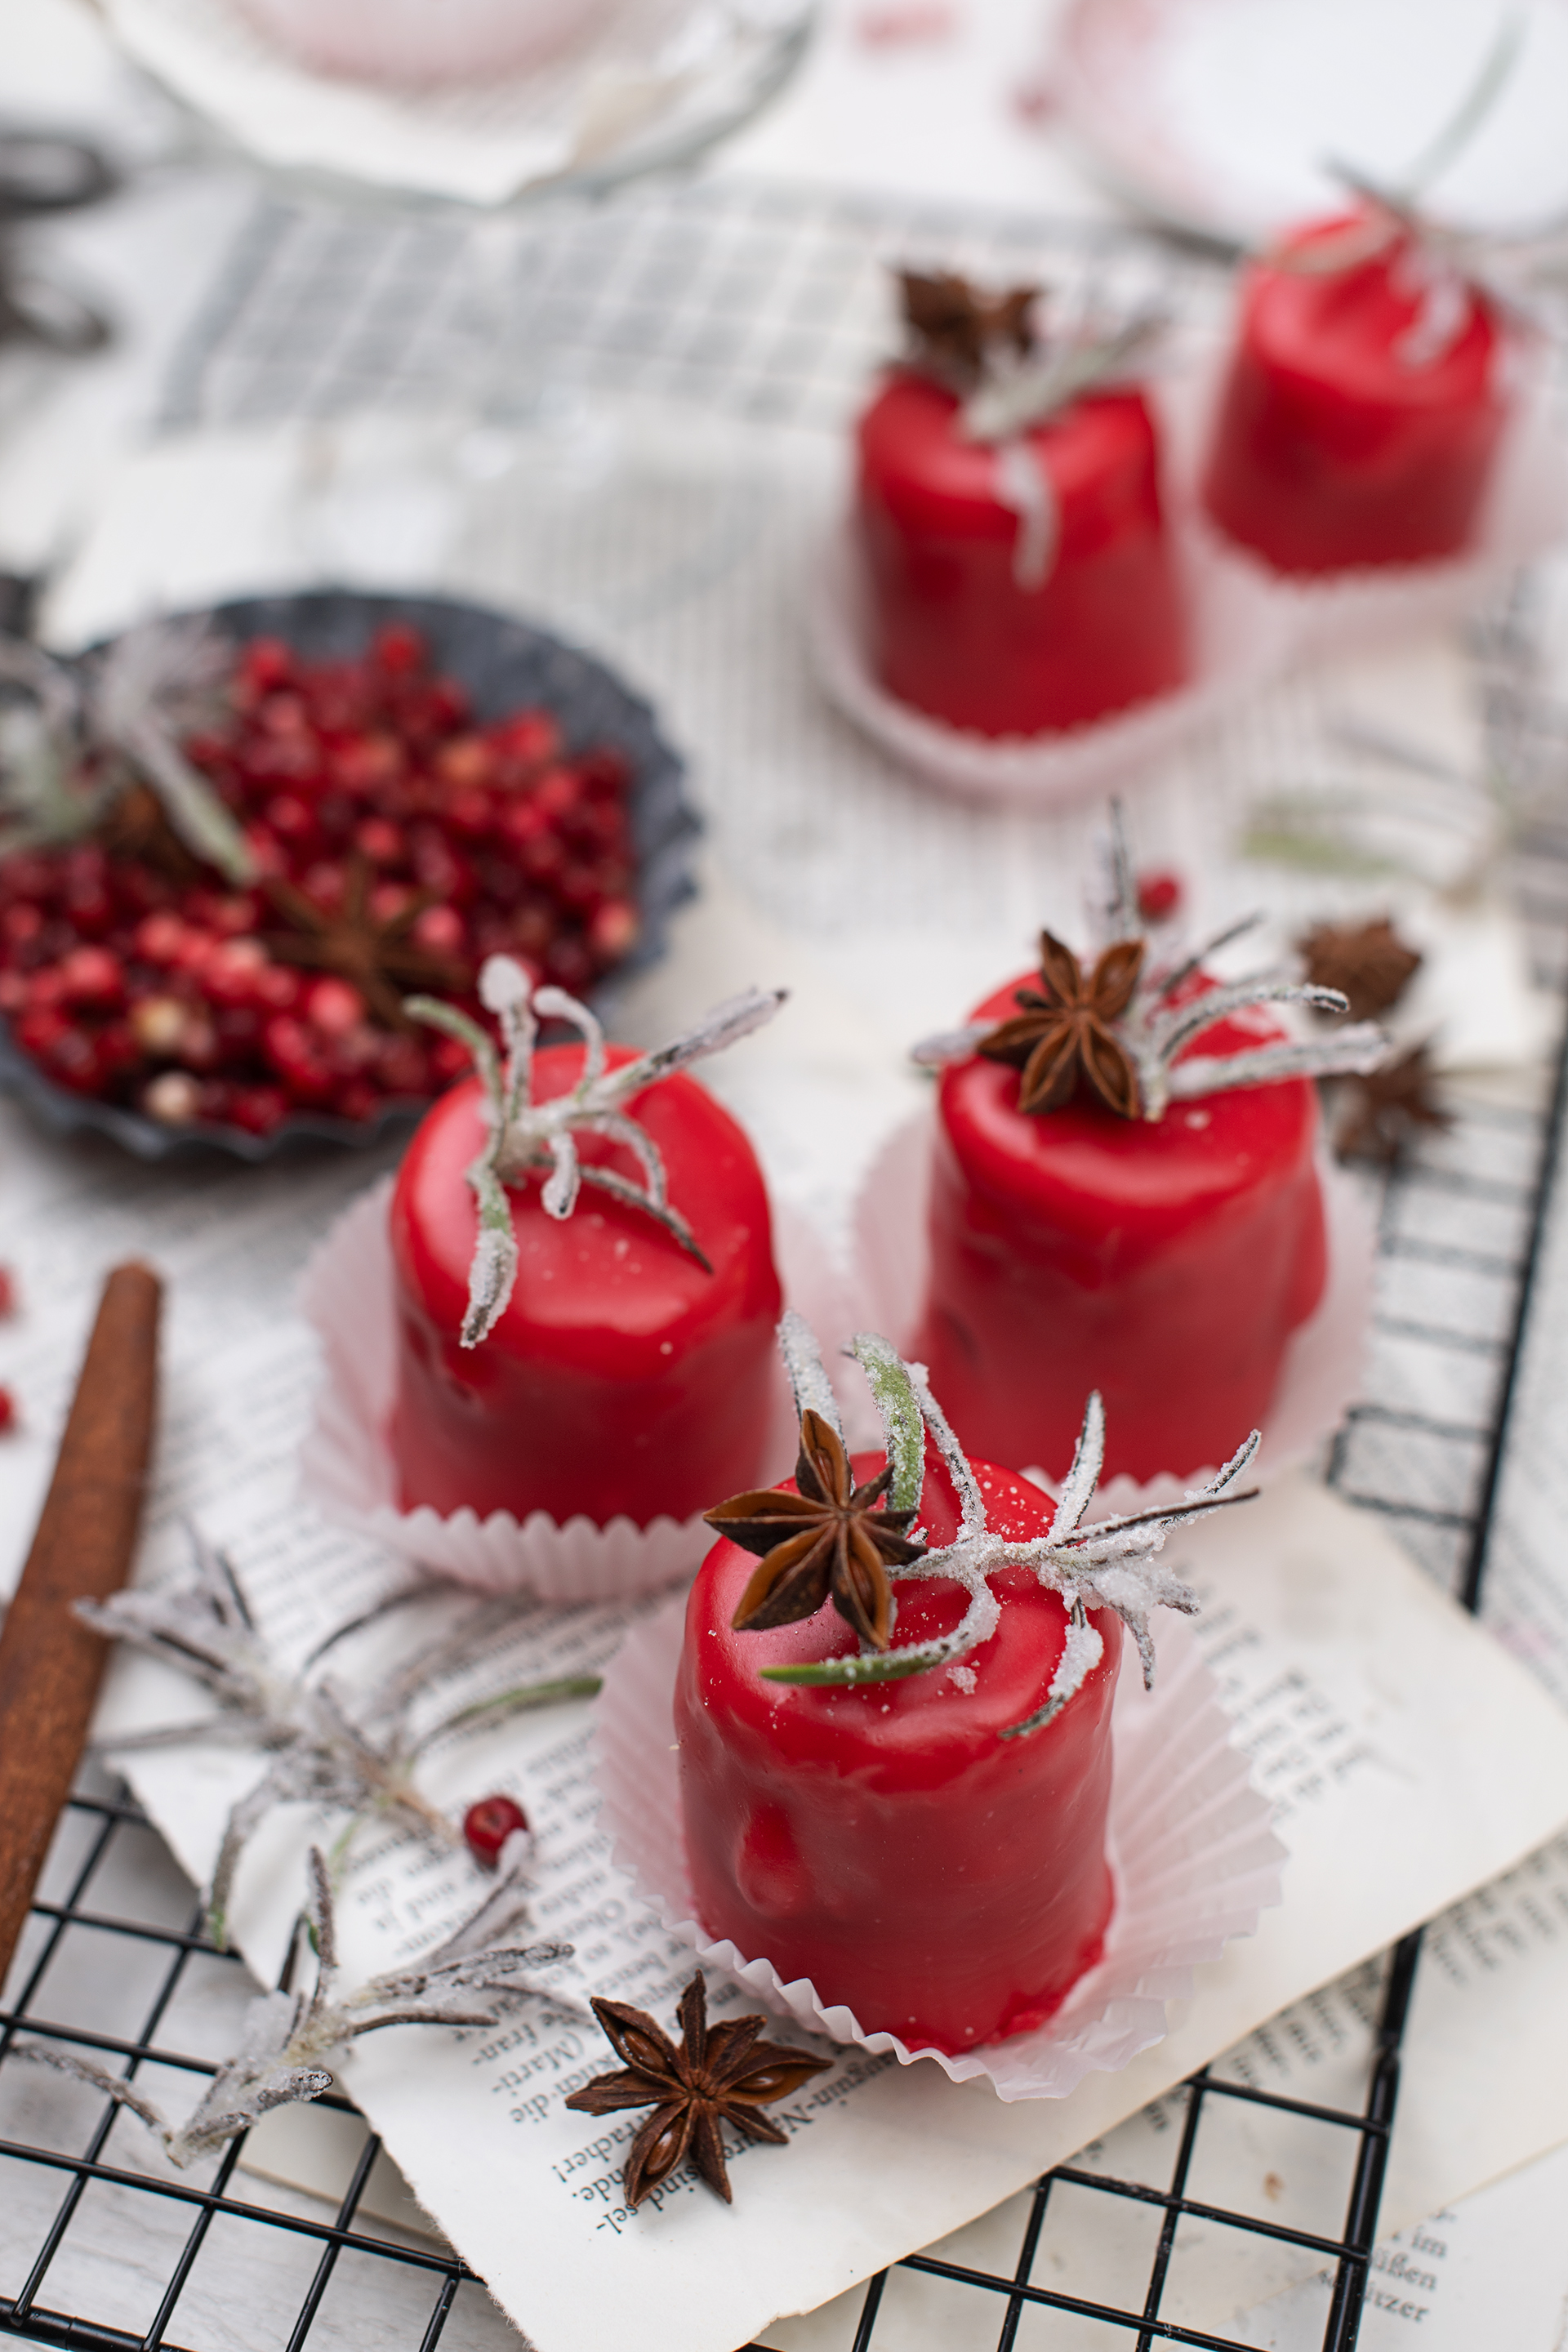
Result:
pixel 614 929
pixel 265 664
pixel 399 650
pixel 7 1411
pixel 377 838
pixel 258 1109
pixel 466 763
pixel 21 923
pixel 488 1825
pixel 1158 896
pixel 334 1007
pixel 440 928
pixel 159 937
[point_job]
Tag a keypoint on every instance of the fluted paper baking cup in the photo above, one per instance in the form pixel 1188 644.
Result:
pixel 1323 1363
pixel 1192 1854
pixel 346 1464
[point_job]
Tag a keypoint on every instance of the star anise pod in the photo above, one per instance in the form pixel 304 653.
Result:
pixel 1065 1034
pixel 720 2073
pixel 136 825
pixel 1385 1105
pixel 1368 962
pixel 956 328
pixel 826 1541
pixel 382 959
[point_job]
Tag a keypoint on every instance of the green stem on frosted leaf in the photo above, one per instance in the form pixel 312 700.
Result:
pixel 1110 1564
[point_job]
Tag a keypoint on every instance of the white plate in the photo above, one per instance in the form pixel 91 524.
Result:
pixel 1216 114
pixel 660 81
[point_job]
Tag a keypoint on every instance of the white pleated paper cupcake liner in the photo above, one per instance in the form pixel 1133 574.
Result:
pixel 1247 623
pixel 1324 1360
pixel 346 1463
pixel 1193 1859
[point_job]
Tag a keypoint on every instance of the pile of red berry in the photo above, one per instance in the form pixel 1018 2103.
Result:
pixel 394 844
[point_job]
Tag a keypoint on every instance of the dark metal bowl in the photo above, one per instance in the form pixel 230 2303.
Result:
pixel 503 664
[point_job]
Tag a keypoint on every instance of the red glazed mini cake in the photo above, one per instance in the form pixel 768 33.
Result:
pixel 586 1287
pixel 1019 577
pixel 920 1830
pixel 1124 1193
pixel 1364 401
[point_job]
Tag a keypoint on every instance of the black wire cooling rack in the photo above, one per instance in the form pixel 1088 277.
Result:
pixel 751 299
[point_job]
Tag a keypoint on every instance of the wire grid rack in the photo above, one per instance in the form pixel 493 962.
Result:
pixel 758 302
pixel 761 302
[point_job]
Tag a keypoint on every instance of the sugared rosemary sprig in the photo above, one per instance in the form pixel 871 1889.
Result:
pixel 1110 1564
pixel 84 732
pixel 357 1754
pixel 1121 1026
pixel 527 1137
pixel 288 2040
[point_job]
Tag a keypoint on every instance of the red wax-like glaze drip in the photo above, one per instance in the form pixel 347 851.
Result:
pixel 622 1378
pixel 943 1882
pixel 1334 449
pixel 951 630
pixel 1165 1262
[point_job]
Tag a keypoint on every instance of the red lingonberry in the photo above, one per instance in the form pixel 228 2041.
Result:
pixel 403 1067
pixel 73 1059
pixel 230 973
pixel 488 1825
pixel 158 1024
pixel 367 764
pixel 377 838
pixel 613 932
pixel 258 1109
pixel 440 928
pixel 21 922
pixel 334 1006
pixel 354 1099
pixel 173 1098
pixel 390 900
pixel 466 763
pixel 7 1411
pixel 528 736
pixel 470 813
pixel 1159 896
pixel 158 938
pixel 397 650
pixel 265 664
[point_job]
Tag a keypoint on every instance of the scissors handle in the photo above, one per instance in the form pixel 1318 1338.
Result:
pixel 41 172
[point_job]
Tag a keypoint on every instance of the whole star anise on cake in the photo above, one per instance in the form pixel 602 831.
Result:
pixel 1064 1032
pixel 381 959
pixel 1382 1109
pixel 827 1541
pixel 720 2074
pixel 956 328
pixel 1367 963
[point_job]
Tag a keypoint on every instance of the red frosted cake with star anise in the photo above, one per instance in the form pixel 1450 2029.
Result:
pixel 1017 574
pixel 586 1288
pixel 893 1711
pixel 1124 1195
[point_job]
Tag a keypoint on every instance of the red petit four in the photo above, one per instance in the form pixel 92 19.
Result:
pixel 1017 572
pixel 1364 401
pixel 585 1285
pixel 1124 1193
pixel 920 1830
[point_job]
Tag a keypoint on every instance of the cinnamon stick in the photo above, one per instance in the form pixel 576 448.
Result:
pixel 50 1666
